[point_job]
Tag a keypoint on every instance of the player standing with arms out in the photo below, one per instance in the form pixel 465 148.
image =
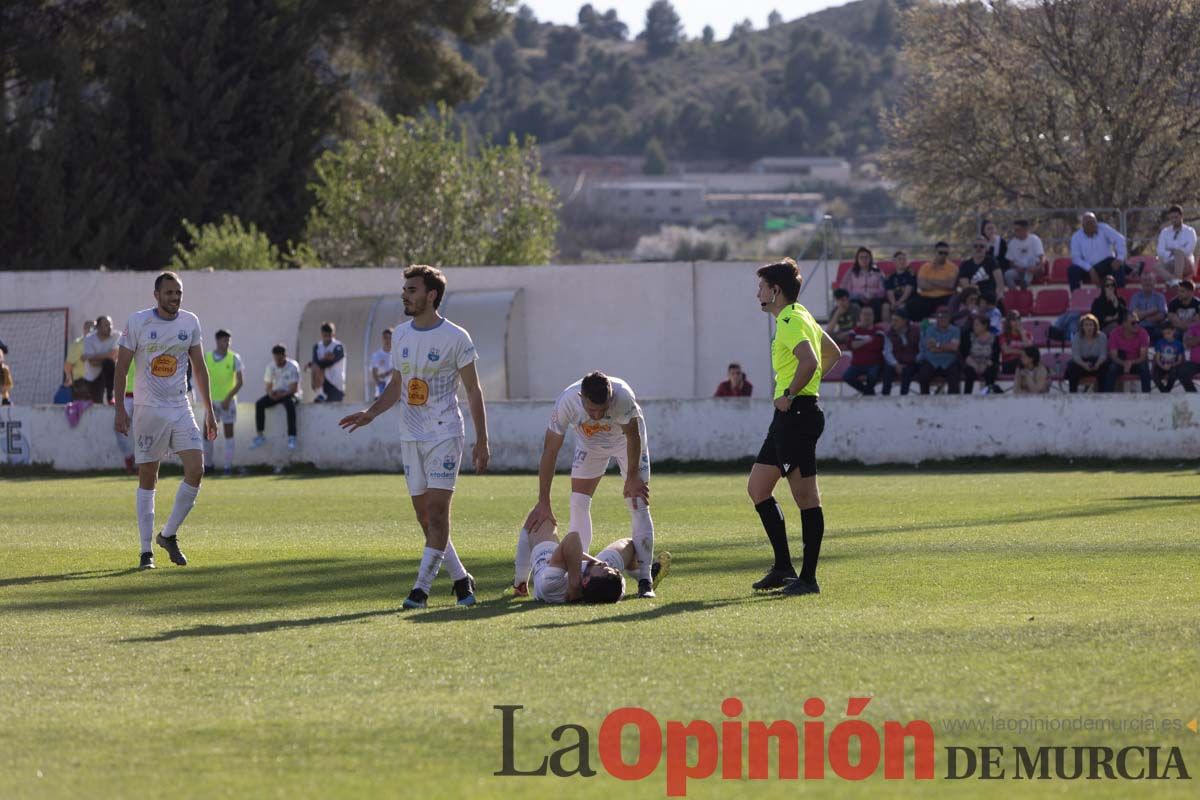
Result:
pixel 224 381
pixel 798 351
pixel 608 424
pixel 429 356
pixel 163 340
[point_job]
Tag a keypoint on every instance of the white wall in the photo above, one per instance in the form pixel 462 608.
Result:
pixel 871 430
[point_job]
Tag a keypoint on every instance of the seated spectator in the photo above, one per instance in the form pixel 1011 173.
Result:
pixel 964 307
pixel 1013 341
pixel 864 282
pixel 1128 353
pixel 843 318
pixel 1089 354
pixel 939 354
pixel 901 346
pixel 1097 251
pixel 980 360
pixel 1168 356
pixel 283 388
pixel 1032 377
pixel 1026 257
pixel 997 247
pixel 6 380
pixel 328 367
pixel 736 385
pixel 100 361
pixel 74 367
pixel 1185 308
pixel 866 354
pixel 1189 368
pixel 899 286
pixel 936 282
pixel 1149 305
pixel 1176 249
pixel 980 270
pixel 991 312
pixel 1109 307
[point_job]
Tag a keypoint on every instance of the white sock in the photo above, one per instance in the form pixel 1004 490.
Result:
pixel 453 565
pixel 521 564
pixel 145 517
pixel 643 534
pixel 581 519
pixel 431 563
pixel 229 453
pixel 185 498
pixel 208 454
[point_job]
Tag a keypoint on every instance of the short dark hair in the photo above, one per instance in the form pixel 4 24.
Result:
pixel 605 587
pixel 1035 354
pixel 899 253
pixel 223 334
pixel 432 277
pixel 1021 223
pixel 595 387
pixel 734 365
pixel 941 244
pixel 166 275
pixel 838 294
pixel 1186 284
pixel 388 331
pixel 328 327
pixel 279 350
pixel 784 275
pixel 1175 210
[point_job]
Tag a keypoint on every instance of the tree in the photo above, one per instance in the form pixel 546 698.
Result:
pixel 232 245
pixel 655 162
pixel 587 17
pixel 562 46
pixel 1100 99
pixel 525 27
pixel 708 35
pixel 663 29
pixel 611 27
pixel 412 190
pixel 775 19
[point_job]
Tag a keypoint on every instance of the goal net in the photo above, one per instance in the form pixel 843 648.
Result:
pixel 37 346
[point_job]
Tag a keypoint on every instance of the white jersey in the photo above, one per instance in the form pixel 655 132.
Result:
pixel 593 434
pixel 381 362
pixel 428 361
pixel 282 378
pixel 93 345
pixel 160 350
pixel 336 372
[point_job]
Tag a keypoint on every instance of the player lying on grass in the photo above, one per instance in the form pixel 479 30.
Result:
pixel 563 573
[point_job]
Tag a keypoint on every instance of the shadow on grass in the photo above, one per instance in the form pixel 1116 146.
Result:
pixel 85 575
pixel 1167 499
pixel 658 610
pixel 258 627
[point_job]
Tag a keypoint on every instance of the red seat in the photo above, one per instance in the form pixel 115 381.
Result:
pixel 1020 300
pixel 1050 302
pixel 843 268
pixel 915 266
pixel 1083 297
pixel 1058 270
pixel 1142 261
pixel 886 267
pixel 839 369
pixel 1126 293
pixel 1057 364
pixel 1039 331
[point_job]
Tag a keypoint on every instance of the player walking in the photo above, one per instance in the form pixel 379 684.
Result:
pixel 225 381
pixel 430 354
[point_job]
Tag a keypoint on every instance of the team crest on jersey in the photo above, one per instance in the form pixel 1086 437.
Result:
pixel 448 464
pixel 435 354
pixel 183 337
pixel 153 334
pixel 404 353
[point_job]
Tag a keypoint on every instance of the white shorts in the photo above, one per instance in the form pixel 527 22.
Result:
pixel 431 465
pixel 612 558
pixel 549 583
pixel 160 431
pixel 594 463
pixel 224 417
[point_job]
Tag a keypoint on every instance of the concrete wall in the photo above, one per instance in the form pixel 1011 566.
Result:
pixel 857 429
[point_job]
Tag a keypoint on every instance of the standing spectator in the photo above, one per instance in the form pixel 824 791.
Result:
pixel 980 361
pixel 100 361
pixel 864 282
pixel 866 359
pixel 901 346
pixel 6 380
pixel 843 319
pixel 980 270
pixel 1109 307
pixel 736 385
pixel 899 286
pixel 1032 377
pixel 1026 257
pixel 1176 249
pixel 1185 308
pixel 328 367
pixel 74 368
pixel 1169 357
pixel 1096 250
pixel 224 382
pixel 939 354
pixel 1013 341
pixel 283 387
pixel 1089 354
pixel 381 364
pixel 1149 305
pixel 1189 368
pixel 935 284
pixel 1129 353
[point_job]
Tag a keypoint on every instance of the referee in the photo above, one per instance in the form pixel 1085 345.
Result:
pixel 798 350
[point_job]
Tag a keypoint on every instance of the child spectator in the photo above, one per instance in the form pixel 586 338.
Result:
pixel 901 346
pixel 980 360
pixel 864 282
pixel 1188 369
pixel 1032 376
pixel 1089 354
pixel 900 285
pixel 1128 353
pixel 843 319
pixel 866 359
pixel 1169 358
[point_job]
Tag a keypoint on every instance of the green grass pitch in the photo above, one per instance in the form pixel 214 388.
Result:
pixel 279 665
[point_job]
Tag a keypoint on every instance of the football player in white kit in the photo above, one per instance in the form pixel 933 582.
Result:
pixel 430 354
pixel 608 424
pixel 163 340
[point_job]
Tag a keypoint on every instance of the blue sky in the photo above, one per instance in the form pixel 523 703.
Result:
pixel 695 14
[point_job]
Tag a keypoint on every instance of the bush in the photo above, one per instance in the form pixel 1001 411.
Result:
pixel 232 245
pixel 676 243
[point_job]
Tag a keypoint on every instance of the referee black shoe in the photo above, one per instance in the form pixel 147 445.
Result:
pixel 774 579
pixel 147 561
pixel 171 545
pixel 801 586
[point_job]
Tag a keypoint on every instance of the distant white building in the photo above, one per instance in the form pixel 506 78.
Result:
pixel 831 170
pixel 754 209
pixel 651 200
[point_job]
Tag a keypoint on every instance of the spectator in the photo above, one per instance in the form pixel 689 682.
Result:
pixel 1026 257
pixel 6 380
pixel 964 307
pixel 1128 353
pixel 939 354
pixel 901 346
pixel 1149 305
pixel 1185 308
pixel 100 361
pixel 843 319
pixel 980 270
pixel 1032 376
pixel 864 282
pixel 1109 307
pixel 866 359
pixel 736 385
pixel 900 285
pixel 328 367
pixel 3 347
pixel 980 360
pixel 1189 368
pixel 1168 359
pixel 1089 354
pixel 283 388
pixel 989 311
pixel 1013 341
pixel 935 284
pixel 1096 250
pixel 1176 249
pixel 74 367
pixel 381 364
pixel 997 247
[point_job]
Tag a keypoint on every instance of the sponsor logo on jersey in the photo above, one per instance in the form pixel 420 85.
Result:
pixel 435 354
pixel 590 429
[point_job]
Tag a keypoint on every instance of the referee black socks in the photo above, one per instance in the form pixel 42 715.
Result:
pixel 772 520
pixel 812 523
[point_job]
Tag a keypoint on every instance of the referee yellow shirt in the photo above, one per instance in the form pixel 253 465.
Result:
pixel 793 326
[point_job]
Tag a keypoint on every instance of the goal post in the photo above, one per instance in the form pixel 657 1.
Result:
pixel 37 346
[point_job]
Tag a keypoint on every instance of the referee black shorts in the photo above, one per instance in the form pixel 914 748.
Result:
pixel 791 441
